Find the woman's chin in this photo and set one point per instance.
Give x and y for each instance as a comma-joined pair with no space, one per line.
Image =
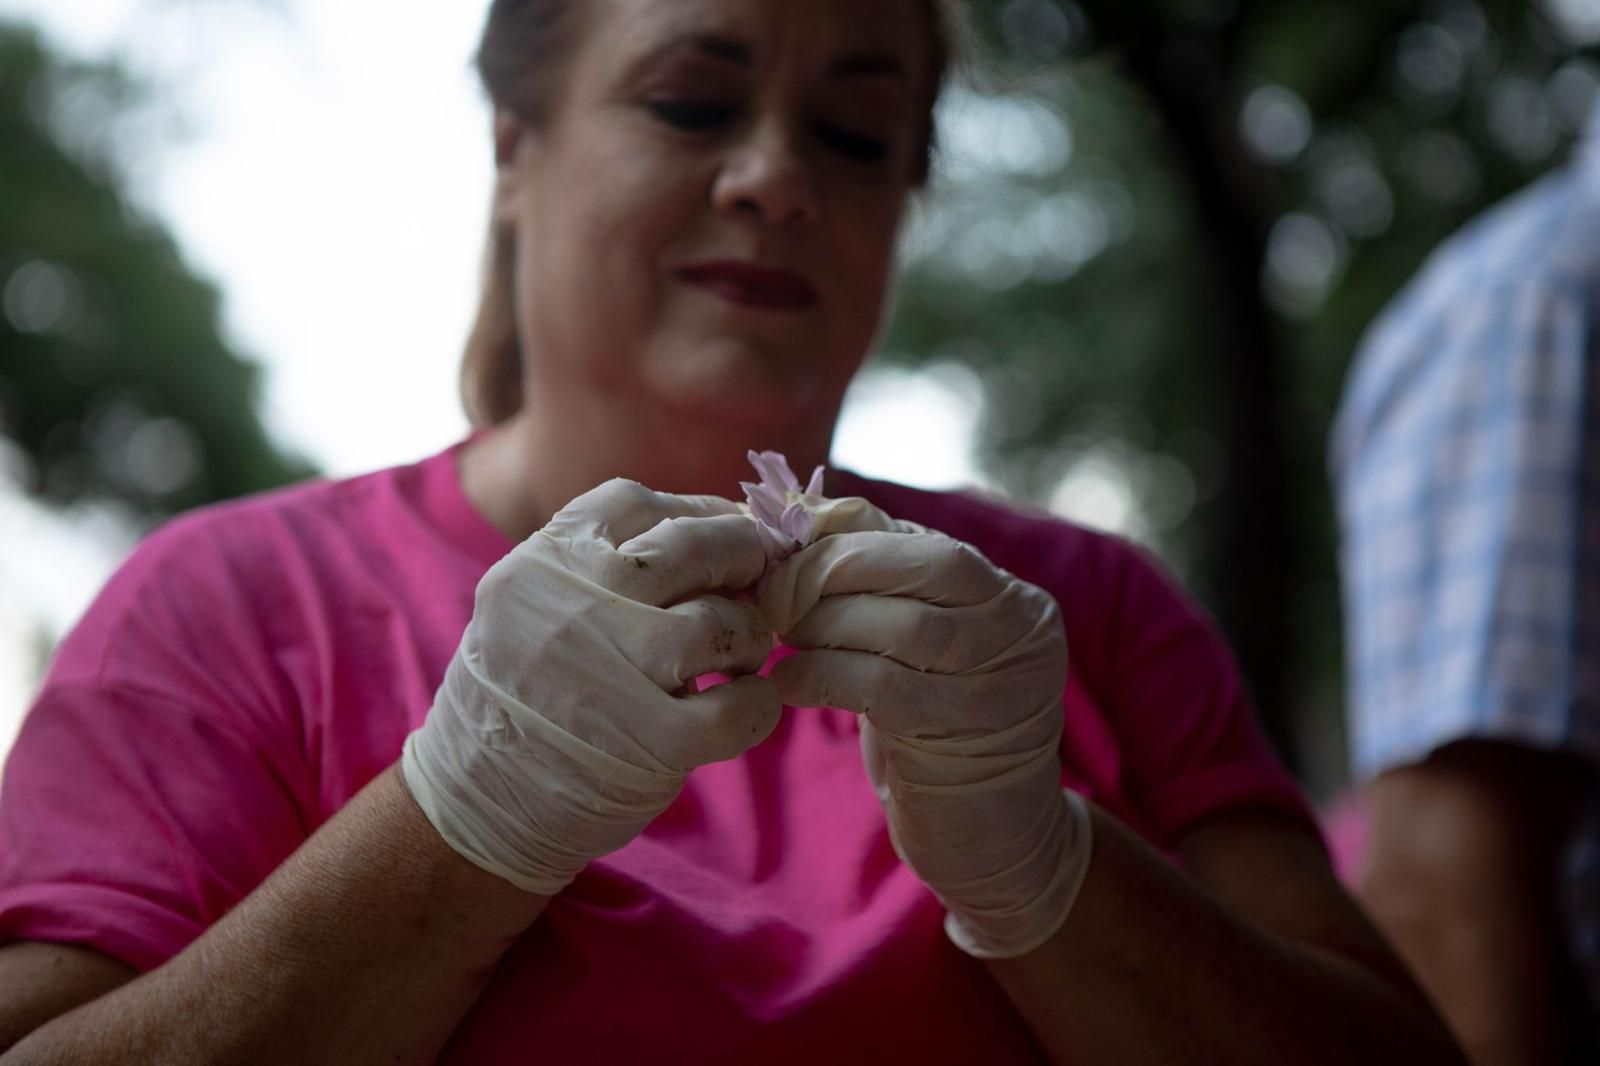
749,391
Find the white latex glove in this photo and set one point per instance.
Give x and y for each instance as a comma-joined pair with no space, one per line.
563,726
957,668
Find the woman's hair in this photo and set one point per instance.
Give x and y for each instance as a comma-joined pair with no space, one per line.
520,63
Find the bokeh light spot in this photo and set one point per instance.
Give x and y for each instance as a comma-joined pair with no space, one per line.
1576,20
37,297
1304,257
1276,124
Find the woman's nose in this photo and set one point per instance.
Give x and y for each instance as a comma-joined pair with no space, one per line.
768,177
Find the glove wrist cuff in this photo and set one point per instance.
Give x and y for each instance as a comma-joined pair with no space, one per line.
470,836
1003,933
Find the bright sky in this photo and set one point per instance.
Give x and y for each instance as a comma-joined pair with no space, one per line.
334,183
334,180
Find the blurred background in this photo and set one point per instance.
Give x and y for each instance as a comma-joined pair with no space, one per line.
239,244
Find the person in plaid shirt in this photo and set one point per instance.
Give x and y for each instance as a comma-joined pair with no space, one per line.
1466,458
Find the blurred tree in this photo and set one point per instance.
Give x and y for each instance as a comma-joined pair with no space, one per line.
115,380
1159,232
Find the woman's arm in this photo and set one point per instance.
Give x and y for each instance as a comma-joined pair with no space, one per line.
39,981
367,946
1254,955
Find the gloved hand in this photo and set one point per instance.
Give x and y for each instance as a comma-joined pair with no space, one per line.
957,668
563,726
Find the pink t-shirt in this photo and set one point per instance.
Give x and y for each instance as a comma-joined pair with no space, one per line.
255,664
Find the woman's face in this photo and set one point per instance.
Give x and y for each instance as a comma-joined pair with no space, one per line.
706,217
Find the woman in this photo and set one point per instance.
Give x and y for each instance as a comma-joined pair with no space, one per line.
584,852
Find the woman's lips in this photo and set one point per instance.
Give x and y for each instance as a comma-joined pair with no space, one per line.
750,285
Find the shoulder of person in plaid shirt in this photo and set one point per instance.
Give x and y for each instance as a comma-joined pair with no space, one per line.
1466,458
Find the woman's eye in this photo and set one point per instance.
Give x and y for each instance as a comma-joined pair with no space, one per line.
691,114
855,145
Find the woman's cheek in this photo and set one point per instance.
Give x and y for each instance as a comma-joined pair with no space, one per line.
871,255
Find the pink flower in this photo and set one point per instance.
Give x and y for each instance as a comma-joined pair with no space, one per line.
783,519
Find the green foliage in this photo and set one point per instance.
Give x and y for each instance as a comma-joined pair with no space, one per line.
115,379
1257,181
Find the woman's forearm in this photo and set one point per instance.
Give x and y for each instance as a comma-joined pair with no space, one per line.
368,945
1149,968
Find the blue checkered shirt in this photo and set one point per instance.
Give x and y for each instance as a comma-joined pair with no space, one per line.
1466,458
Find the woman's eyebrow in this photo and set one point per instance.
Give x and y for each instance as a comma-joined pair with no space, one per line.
867,65
870,64
711,45
730,49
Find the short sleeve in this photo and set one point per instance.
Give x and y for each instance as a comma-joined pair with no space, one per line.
1465,463
1174,700
161,774
130,823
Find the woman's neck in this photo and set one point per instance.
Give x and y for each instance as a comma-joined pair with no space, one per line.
520,473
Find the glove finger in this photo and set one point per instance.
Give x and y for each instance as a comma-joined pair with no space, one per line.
922,566
721,722
705,635
923,636
872,758
859,681
683,556
618,510
852,514
946,716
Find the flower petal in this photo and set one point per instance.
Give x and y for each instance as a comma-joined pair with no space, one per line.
798,523
814,486
774,470
775,544
767,504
